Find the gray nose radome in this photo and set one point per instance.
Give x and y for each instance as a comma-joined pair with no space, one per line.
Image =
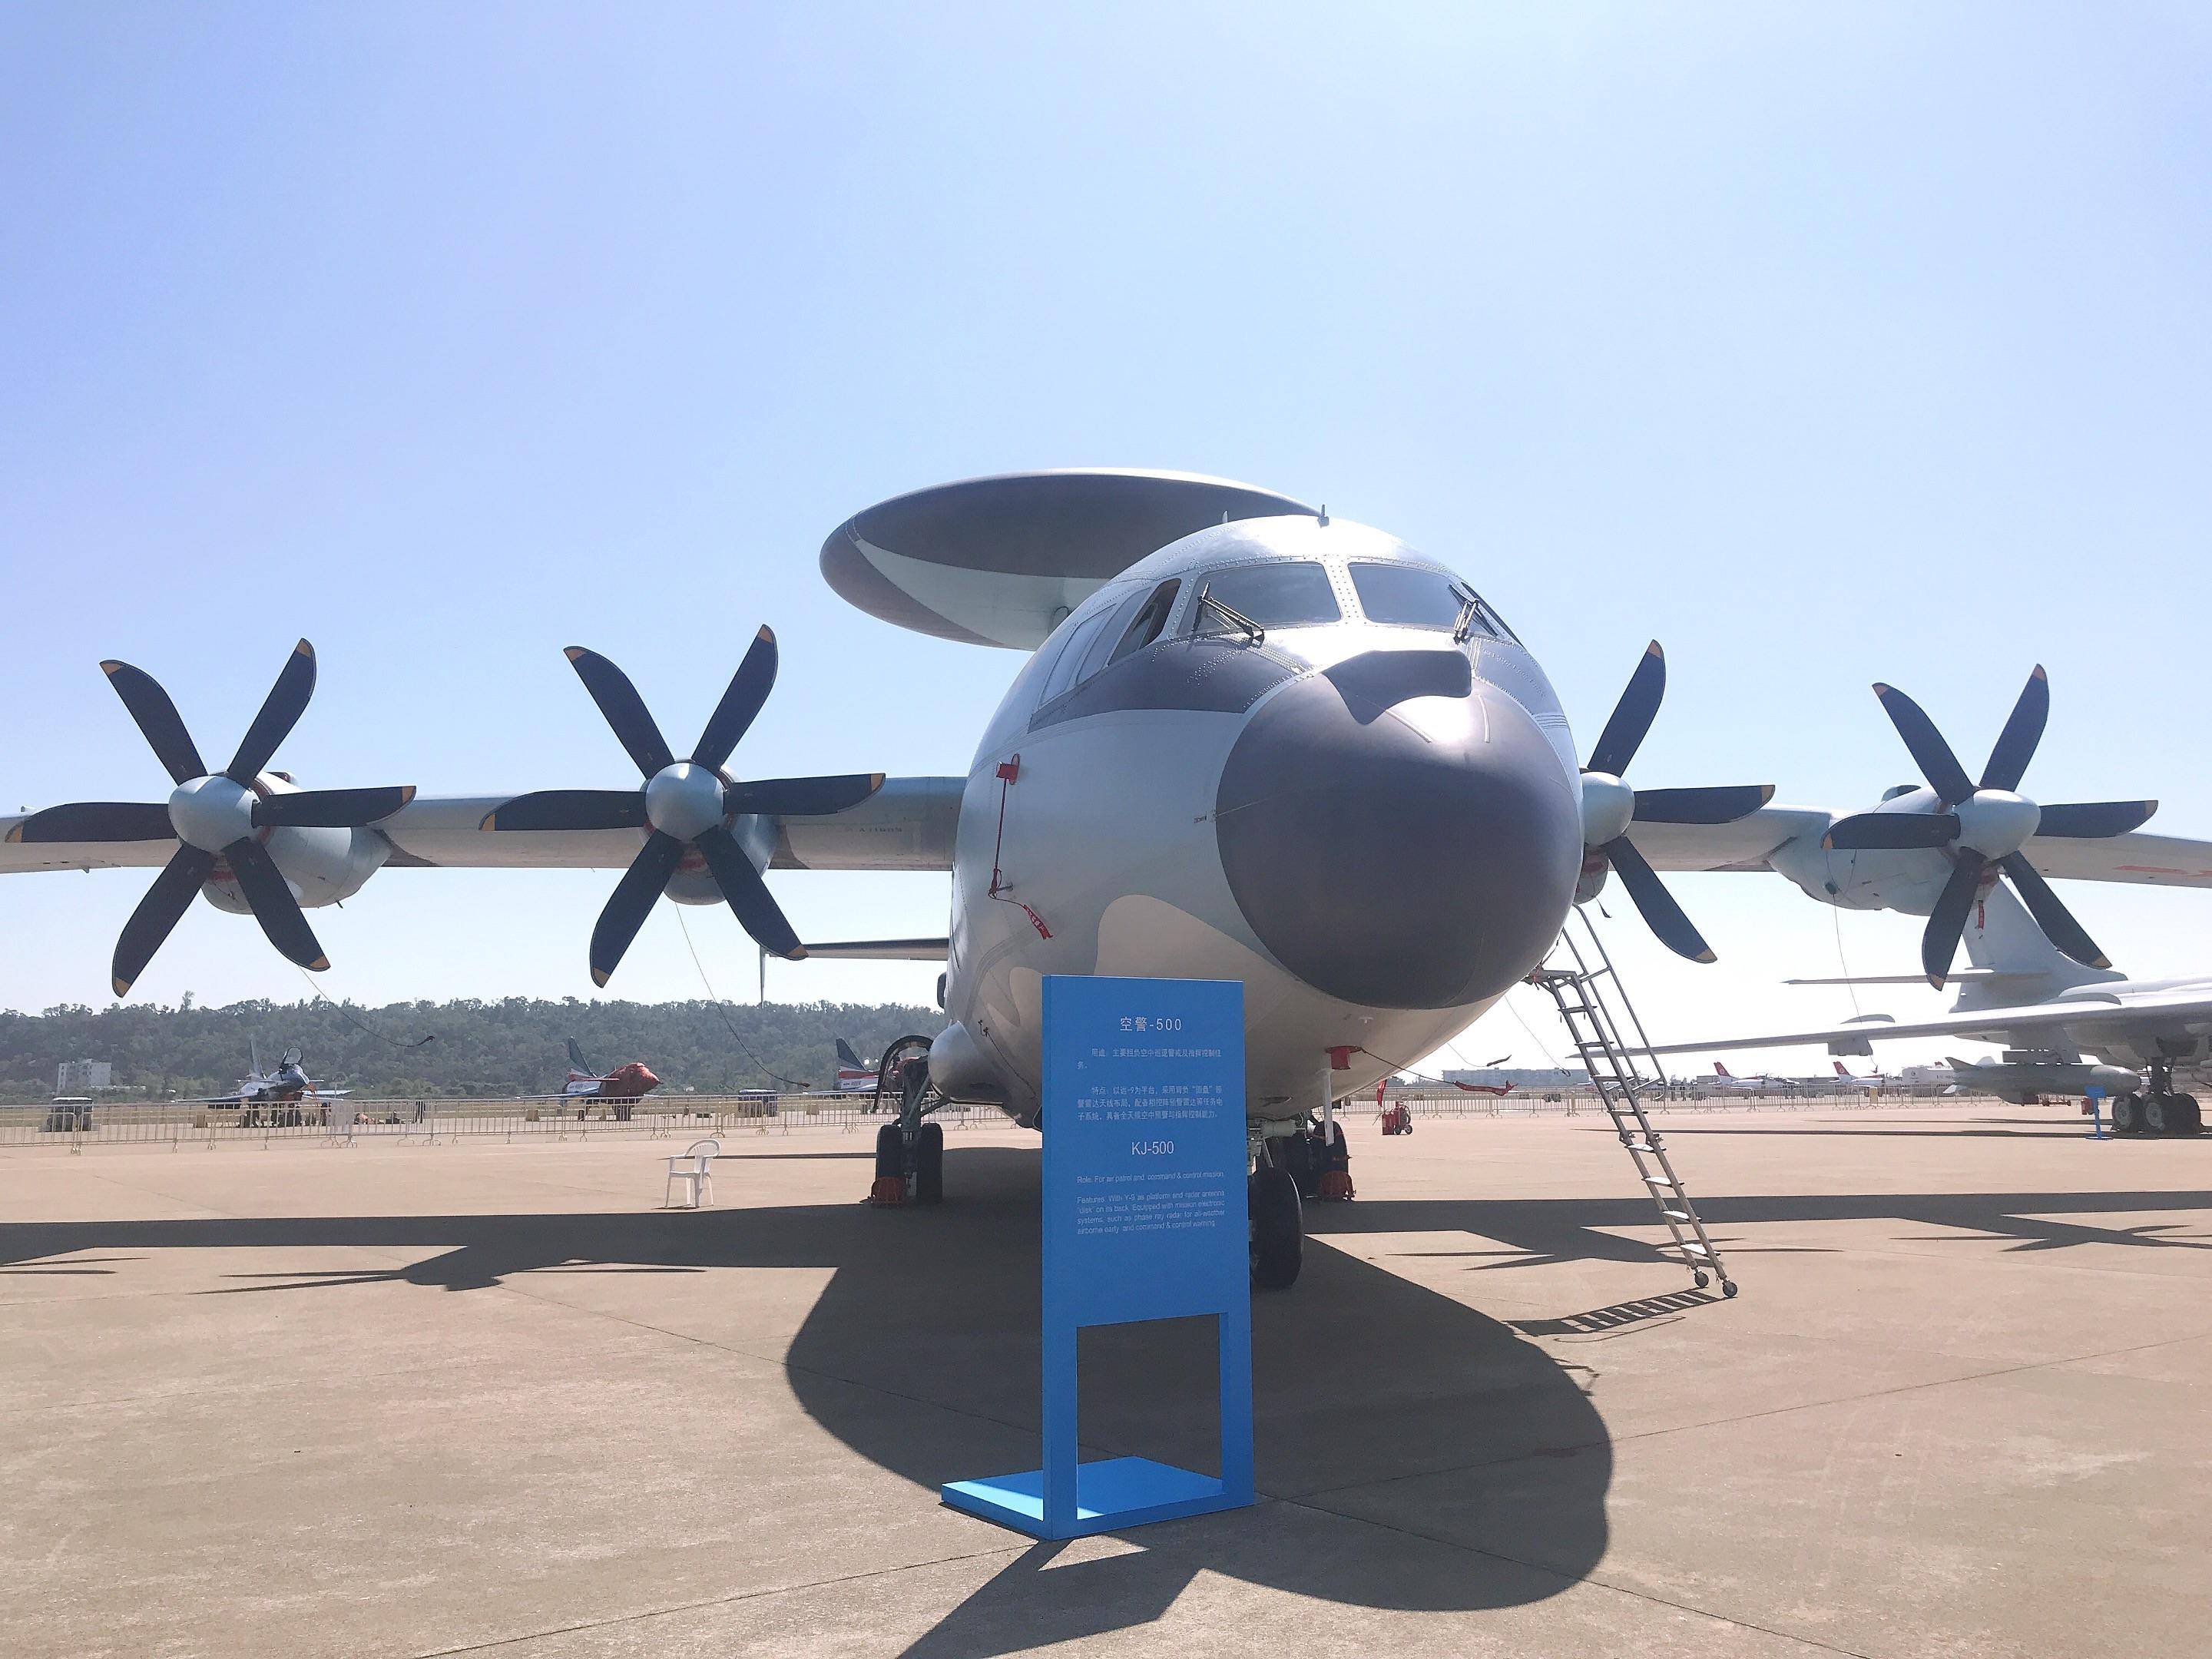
1399,841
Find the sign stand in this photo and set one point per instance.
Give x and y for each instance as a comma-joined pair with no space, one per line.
1145,1218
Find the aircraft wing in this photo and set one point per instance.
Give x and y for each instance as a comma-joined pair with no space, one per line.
1748,843
907,824
883,949
2083,1018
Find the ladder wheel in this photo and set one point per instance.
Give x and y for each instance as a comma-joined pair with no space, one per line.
1700,1280
1728,1287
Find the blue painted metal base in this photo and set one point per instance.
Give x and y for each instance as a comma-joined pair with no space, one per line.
1117,1492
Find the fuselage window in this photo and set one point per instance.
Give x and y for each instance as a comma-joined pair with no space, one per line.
1292,593
1145,626
1408,596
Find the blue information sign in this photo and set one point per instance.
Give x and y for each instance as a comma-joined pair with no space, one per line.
1144,1219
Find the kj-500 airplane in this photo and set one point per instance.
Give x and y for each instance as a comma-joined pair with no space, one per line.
1249,742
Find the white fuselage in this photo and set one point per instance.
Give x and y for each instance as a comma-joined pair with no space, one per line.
1372,825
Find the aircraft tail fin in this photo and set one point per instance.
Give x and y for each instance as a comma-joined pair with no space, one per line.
2026,967
1722,1070
576,1060
1840,1071
845,1054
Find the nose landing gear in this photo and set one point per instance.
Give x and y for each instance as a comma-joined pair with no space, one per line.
1278,1227
909,1150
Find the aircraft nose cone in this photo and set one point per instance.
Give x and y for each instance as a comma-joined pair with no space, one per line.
1399,835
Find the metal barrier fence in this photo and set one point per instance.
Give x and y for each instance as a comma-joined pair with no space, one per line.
178,1124
75,1125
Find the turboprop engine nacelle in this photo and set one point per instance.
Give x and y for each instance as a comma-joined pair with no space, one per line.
1909,879
321,866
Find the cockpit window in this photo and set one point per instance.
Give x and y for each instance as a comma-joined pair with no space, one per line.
1145,626
1408,596
1290,593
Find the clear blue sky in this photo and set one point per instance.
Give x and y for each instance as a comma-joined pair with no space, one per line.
1824,344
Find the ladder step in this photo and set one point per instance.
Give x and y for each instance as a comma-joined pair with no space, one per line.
1662,1180
1690,1247
1678,1215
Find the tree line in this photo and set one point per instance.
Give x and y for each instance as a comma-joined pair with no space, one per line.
515,1046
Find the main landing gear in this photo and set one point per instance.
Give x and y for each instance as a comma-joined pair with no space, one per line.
909,1149
2158,1110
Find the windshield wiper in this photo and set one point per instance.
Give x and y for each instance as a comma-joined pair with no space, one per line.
1469,607
1254,634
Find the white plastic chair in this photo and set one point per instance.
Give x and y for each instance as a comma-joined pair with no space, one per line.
695,1169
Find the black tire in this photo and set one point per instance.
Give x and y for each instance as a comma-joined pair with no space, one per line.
1295,1153
929,1163
890,1152
2189,1115
2158,1113
2127,1114
1279,1234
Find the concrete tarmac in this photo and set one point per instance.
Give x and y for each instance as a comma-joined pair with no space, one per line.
415,1400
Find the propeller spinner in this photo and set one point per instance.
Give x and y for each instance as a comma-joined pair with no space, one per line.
1986,824
685,804
1610,807
223,820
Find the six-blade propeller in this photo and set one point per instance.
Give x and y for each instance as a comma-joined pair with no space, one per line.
1610,807
223,820
1986,824
686,805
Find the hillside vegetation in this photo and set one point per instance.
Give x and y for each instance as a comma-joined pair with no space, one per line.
517,1046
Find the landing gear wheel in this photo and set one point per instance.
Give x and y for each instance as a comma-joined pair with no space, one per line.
1728,1287
2158,1113
1277,1229
889,1188
1298,1157
2127,1114
2188,1114
929,1163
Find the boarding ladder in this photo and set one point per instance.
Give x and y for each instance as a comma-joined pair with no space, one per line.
1579,991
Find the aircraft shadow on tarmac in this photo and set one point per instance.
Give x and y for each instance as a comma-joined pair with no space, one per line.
921,1353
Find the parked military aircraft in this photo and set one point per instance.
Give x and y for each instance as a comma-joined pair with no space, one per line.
287,1083
855,1075
2050,1013
1250,742
632,1081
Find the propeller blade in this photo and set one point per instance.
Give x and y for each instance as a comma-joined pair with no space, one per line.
624,710
633,900
1660,913
570,809
98,820
801,798
756,910
1939,942
2094,820
1934,756
164,903
1633,715
274,908
280,712
2023,730
2054,919
1721,804
332,809
157,718
748,690
1868,831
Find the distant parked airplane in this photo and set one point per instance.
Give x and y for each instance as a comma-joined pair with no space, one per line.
630,1082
